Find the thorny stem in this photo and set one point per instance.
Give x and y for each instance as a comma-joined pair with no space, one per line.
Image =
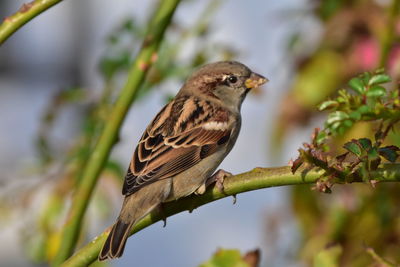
257,178
157,26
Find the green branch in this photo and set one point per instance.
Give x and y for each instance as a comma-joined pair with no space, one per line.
26,12
252,180
157,26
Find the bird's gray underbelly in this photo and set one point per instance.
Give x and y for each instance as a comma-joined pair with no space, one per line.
190,180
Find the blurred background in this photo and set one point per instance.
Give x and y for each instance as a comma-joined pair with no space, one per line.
60,73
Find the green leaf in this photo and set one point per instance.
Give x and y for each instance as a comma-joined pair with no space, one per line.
337,116
365,77
334,126
341,99
353,147
357,85
321,137
389,152
348,123
342,129
376,91
364,109
343,96
365,143
328,105
355,115
379,79
225,258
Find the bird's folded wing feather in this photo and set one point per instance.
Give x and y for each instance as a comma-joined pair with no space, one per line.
185,131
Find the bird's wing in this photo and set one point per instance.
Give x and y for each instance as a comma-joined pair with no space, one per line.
185,131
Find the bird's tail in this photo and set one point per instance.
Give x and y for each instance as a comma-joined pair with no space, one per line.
116,240
134,208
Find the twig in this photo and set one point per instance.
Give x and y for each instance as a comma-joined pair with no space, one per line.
252,180
381,261
25,13
157,26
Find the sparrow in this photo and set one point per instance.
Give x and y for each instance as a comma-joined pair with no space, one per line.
183,145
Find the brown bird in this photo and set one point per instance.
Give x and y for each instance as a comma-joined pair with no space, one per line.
183,145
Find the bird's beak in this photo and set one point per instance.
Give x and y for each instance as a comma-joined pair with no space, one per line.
255,80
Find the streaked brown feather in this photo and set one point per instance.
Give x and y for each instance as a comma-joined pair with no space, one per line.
163,153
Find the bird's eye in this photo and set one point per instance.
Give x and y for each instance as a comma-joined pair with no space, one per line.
232,79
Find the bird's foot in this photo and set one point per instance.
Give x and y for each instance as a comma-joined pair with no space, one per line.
217,178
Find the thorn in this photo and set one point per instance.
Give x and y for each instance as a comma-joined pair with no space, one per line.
162,213
154,57
373,183
290,163
143,65
25,7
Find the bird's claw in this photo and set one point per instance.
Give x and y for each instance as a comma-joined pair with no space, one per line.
217,178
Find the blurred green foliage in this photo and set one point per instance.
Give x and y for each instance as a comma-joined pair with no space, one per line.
357,225
356,36
328,257
360,133
369,103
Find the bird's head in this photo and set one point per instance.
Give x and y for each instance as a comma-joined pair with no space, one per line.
224,81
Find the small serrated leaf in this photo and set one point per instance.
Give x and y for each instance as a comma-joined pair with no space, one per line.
366,143
357,85
336,116
364,109
328,105
389,152
353,147
379,79
376,91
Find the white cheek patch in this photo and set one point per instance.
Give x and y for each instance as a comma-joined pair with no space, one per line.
214,125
